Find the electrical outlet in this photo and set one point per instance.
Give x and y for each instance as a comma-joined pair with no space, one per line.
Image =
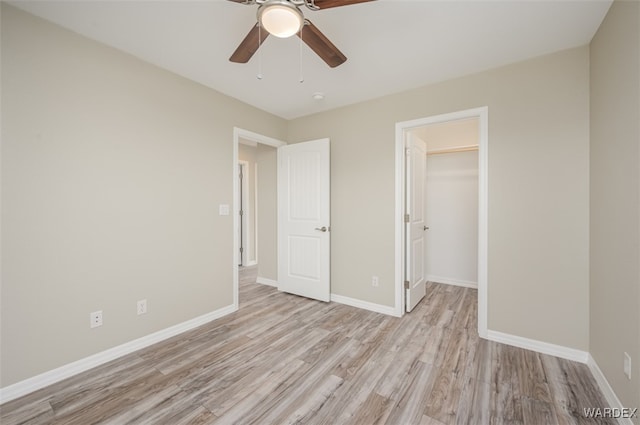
95,319
374,281
627,365
142,307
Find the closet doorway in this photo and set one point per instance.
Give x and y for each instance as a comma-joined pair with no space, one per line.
451,201
456,193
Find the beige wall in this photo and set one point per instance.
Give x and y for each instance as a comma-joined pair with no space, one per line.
538,191
267,212
615,198
113,170
112,173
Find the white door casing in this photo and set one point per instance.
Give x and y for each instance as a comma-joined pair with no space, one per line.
243,213
304,219
416,227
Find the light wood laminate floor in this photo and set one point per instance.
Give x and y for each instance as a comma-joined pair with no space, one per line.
284,359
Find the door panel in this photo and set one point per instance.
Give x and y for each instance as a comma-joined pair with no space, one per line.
415,272
303,219
304,257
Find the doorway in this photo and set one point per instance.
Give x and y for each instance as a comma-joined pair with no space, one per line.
452,201
403,129
263,205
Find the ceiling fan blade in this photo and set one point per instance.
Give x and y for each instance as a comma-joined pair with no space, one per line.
240,1
325,4
249,45
320,44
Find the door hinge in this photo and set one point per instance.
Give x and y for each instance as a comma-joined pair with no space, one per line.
406,218
406,284
241,250
241,213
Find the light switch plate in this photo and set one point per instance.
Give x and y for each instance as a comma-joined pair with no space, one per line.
223,209
627,365
142,307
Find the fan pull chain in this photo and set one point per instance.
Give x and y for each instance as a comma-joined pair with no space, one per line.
259,76
301,80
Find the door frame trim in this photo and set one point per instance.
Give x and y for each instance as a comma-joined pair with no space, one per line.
244,223
482,114
239,133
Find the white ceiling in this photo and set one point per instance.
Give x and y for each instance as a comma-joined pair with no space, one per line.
391,45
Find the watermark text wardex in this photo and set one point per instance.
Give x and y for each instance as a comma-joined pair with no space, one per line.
610,412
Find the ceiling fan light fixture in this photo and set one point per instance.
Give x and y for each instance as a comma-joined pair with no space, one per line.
280,18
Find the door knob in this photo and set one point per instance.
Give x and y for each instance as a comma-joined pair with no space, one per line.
322,229
425,228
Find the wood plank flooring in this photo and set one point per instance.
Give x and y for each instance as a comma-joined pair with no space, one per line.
283,359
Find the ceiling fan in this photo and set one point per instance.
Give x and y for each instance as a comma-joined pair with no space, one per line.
283,18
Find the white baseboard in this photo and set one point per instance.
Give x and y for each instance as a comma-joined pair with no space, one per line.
378,308
51,377
265,281
251,263
342,299
456,282
606,389
539,346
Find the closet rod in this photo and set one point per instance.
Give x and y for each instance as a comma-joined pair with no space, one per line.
453,150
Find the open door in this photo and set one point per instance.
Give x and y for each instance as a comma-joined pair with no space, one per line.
303,219
416,227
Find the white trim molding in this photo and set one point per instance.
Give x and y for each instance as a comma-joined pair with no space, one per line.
365,305
450,281
268,282
539,346
42,380
606,389
569,354
244,222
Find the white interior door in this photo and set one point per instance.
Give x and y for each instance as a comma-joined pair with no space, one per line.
416,227
303,219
